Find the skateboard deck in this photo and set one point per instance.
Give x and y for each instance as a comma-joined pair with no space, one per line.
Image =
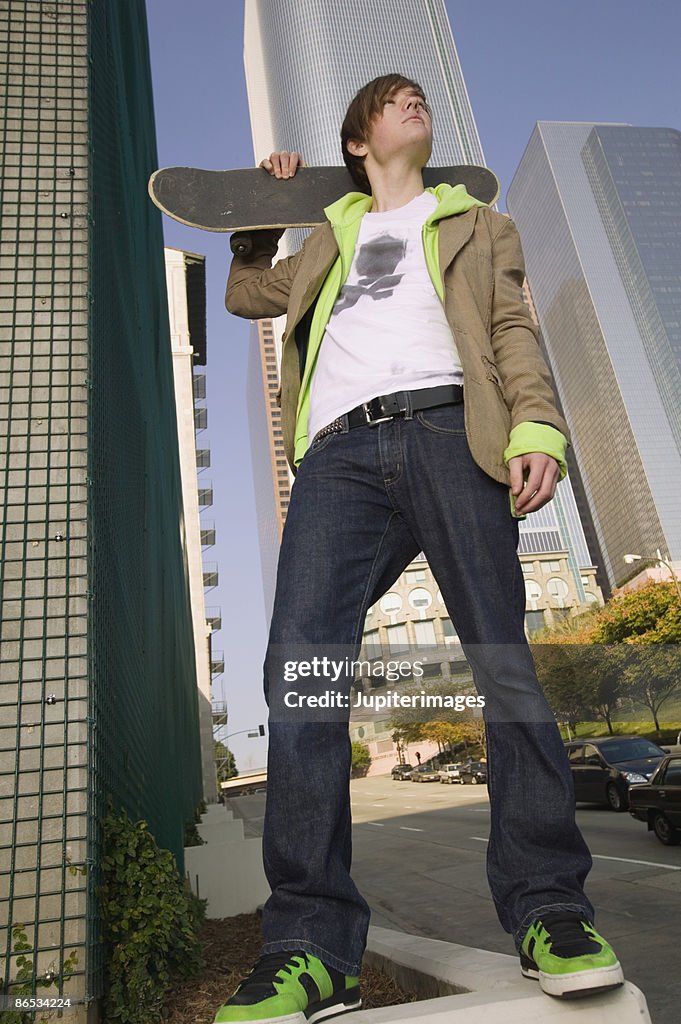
252,198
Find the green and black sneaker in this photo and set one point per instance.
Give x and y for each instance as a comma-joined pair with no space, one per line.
566,954
291,987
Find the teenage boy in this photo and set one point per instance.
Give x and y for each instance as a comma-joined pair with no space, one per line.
417,415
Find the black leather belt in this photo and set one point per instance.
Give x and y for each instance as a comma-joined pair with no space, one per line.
385,407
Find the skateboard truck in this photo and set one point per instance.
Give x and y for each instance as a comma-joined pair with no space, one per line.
241,243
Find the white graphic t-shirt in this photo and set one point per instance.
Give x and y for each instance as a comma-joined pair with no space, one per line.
388,330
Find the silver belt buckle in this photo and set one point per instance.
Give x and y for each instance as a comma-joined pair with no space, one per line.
378,419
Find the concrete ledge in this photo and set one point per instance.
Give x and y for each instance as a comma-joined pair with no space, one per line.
488,987
229,875
624,1006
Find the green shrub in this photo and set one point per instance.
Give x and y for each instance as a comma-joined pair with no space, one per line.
150,923
361,759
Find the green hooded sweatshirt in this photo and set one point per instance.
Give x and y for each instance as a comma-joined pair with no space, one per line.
345,217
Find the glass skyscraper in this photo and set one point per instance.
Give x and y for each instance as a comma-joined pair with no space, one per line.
310,57
304,62
598,208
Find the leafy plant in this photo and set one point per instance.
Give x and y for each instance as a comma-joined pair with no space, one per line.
26,985
150,923
361,759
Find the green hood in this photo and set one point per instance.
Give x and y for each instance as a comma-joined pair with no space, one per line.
353,205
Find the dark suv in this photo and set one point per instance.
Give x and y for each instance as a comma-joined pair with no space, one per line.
604,768
474,772
401,772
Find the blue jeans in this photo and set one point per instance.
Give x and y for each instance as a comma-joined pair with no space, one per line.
363,504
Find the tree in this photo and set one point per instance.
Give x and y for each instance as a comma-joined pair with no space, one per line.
651,675
442,733
565,688
226,765
361,760
650,615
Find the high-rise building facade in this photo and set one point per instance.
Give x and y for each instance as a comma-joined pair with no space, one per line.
98,696
598,208
271,475
305,61
186,285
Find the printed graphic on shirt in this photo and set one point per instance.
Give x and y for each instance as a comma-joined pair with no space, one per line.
376,262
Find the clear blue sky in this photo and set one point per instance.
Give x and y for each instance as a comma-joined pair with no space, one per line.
586,60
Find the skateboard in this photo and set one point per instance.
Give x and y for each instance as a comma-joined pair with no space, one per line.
251,198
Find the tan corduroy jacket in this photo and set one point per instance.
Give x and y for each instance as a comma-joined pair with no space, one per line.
506,379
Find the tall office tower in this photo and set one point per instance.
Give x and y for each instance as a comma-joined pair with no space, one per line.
304,62
186,285
98,696
271,475
598,208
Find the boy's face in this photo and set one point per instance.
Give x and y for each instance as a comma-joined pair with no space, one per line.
404,123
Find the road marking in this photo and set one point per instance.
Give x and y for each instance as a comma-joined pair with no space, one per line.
376,823
622,860
405,828
378,805
627,860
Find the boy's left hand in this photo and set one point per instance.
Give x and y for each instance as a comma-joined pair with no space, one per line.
542,476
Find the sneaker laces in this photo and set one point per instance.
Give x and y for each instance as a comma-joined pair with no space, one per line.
268,966
567,936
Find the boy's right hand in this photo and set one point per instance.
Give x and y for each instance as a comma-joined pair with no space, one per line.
282,165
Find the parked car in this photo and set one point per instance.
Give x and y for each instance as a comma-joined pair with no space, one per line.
451,773
474,772
424,773
401,772
658,802
603,769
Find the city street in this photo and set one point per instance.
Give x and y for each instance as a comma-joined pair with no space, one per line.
419,860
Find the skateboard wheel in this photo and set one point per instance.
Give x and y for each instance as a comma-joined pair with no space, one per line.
241,244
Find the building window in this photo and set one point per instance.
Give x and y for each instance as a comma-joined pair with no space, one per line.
397,639
390,603
420,598
558,589
374,647
528,568
534,622
425,633
548,567
532,593
450,634
416,576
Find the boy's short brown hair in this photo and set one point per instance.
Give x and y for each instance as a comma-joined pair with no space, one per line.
366,105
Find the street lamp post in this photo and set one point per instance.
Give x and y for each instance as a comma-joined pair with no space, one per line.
219,761
666,562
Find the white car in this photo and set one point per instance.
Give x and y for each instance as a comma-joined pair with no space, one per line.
451,773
